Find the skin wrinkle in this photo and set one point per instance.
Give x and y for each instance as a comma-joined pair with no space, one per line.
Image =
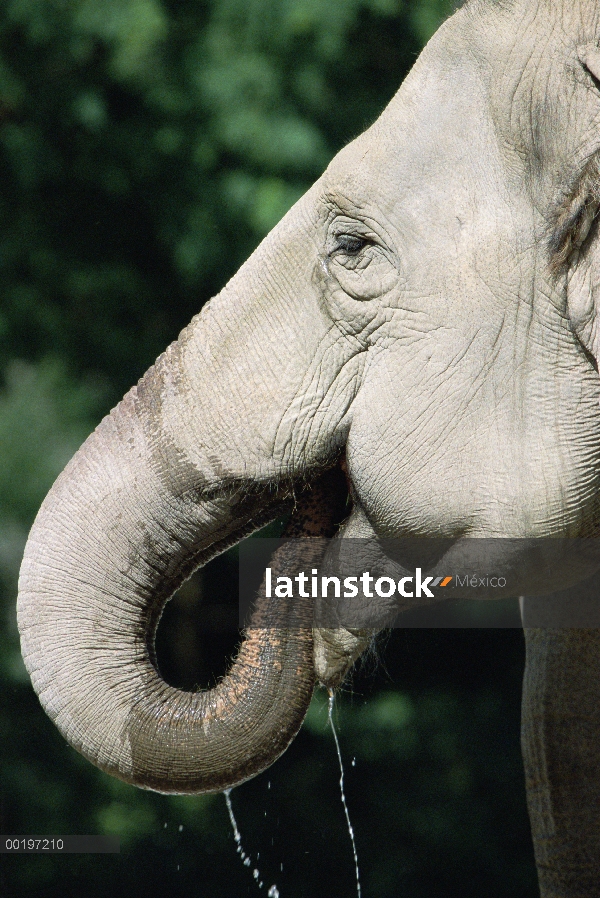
479,381
511,142
538,55
305,391
543,53
439,382
421,425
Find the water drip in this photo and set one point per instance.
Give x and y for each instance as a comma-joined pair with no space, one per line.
245,858
343,794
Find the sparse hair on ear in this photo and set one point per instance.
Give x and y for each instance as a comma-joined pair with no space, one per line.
575,216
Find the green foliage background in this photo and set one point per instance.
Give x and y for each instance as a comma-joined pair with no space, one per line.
146,147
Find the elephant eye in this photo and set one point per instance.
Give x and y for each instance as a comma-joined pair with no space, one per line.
349,244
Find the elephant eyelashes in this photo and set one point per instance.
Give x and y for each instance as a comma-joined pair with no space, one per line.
350,245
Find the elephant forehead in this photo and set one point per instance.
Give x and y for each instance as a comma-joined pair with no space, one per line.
448,189
434,142
498,97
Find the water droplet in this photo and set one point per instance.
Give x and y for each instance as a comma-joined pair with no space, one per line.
165,826
181,827
273,891
255,874
354,762
178,868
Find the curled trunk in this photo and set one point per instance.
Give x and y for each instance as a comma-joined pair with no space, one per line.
216,440
88,644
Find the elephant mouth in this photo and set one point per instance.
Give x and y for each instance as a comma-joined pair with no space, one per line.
195,636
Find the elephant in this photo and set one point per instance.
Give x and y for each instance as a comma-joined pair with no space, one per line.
424,317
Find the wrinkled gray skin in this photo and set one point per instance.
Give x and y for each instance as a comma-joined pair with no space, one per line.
430,307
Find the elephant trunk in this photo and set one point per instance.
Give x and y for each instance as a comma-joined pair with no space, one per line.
87,628
208,447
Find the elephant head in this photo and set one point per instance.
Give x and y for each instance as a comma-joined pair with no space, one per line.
428,309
